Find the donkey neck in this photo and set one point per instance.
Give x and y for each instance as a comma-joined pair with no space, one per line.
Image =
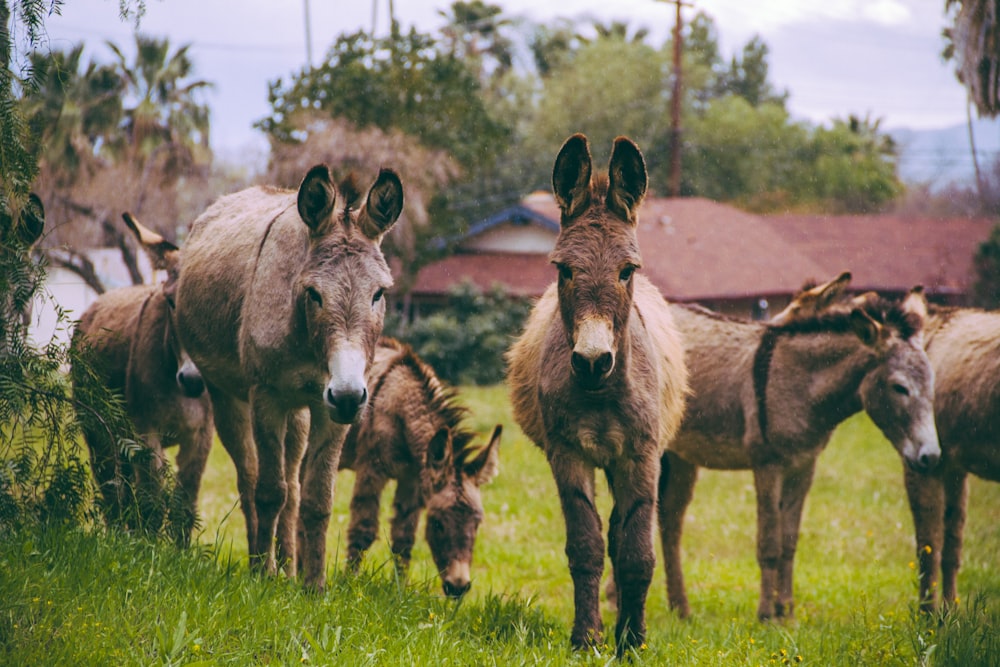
810,380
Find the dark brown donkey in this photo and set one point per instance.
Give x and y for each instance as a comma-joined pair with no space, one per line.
413,433
128,337
768,398
280,304
597,380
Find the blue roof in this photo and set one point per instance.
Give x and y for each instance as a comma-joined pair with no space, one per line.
517,214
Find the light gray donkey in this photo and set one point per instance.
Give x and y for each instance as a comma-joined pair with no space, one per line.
597,380
768,397
280,304
128,337
414,433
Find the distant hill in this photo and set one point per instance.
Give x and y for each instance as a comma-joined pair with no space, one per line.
943,157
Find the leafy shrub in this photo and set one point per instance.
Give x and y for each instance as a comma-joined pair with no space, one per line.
465,340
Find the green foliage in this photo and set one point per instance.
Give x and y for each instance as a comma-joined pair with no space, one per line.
986,265
400,81
465,341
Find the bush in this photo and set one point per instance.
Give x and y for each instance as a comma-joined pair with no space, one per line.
465,341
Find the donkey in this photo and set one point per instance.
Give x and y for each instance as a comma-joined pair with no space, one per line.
413,433
768,398
813,299
128,338
963,345
280,304
597,380
19,231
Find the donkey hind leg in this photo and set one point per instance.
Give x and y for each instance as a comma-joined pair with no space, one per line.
296,438
767,484
794,490
926,495
956,496
584,545
406,506
232,423
319,473
192,455
365,507
676,488
630,539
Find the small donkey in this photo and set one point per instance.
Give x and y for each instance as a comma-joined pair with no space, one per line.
128,337
413,433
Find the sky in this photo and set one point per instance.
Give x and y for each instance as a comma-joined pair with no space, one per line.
877,58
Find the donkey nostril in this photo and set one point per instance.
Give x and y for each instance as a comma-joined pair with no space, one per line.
581,365
454,590
603,364
928,461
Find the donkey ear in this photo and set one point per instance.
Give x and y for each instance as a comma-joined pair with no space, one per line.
486,463
829,292
571,177
439,450
626,179
162,253
867,329
915,303
317,195
385,203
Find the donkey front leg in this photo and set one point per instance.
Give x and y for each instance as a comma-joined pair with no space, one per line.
365,505
296,438
319,474
925,492
956,496
676,488
232,423
630,538
584,544
794,489
269,428
767,482
406,504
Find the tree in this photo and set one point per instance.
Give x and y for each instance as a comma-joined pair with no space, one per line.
986,267
474,34
748,76
973,41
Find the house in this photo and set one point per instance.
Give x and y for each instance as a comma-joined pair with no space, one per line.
697,250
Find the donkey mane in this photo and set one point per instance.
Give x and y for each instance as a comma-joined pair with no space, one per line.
883,311
351,191
441,399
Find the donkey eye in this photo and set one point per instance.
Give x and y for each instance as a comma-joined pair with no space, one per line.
565,273
900,389
626,273
314,296
379,293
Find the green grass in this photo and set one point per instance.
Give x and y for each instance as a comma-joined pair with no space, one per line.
93,598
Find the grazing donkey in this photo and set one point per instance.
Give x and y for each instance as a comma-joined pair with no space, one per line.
128,337
597,380
413,433
963,345
280,304
768,398
17,236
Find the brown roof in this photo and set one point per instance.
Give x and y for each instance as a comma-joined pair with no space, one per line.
887,252
695,249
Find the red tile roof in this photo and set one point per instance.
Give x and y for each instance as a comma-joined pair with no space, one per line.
698,250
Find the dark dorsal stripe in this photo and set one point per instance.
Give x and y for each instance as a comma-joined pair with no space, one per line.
883,311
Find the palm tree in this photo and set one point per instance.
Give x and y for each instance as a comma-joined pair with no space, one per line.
166,116
474,33
974,43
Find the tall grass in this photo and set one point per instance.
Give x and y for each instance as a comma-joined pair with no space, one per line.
92,598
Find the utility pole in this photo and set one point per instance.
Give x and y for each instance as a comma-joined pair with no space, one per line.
309,41
675,104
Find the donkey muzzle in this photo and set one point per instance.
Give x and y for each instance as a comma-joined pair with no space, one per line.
593,356
346,395
189,380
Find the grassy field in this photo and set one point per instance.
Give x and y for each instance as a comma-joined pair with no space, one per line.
93,598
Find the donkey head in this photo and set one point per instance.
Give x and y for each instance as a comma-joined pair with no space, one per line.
165,256
597,253
340,289
898,394
813,299
454,504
